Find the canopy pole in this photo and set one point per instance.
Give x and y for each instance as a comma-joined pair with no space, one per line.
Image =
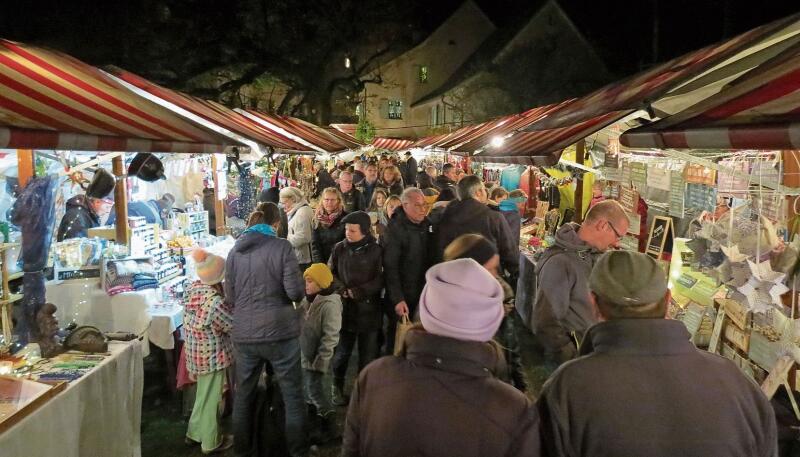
25,166
580,151
219,208
120,199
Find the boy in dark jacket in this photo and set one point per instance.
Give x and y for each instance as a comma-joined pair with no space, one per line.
356,265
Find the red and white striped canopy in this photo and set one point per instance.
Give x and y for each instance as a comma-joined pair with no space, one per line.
759,110
317,138
49,100
392,144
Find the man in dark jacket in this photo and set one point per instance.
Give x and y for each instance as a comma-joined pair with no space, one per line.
370,182
352,198
641,387
441,396
410,170
561,309
447,178
471,215
406,258
84,211
324,179
262,279
356,266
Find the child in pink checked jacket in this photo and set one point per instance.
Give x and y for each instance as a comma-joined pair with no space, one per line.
207,322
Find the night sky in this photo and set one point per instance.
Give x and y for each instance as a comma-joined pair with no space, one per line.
621,30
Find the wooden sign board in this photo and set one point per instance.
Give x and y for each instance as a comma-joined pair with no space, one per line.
629,199
660,238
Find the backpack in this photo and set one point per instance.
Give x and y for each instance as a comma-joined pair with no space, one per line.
528,282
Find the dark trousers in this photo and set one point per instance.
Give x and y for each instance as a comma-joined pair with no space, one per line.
367,351
506,336
284,357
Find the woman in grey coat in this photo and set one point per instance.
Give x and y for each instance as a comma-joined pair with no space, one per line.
301,224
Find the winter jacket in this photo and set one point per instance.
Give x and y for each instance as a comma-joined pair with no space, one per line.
353,201
471,216
300,231
262,279
395,188
324,180
643,389
322,320
443,181
410,172
514,221
367,190
325,238
77,220
562,304
444,391
406,258
357,267
424,181
207,323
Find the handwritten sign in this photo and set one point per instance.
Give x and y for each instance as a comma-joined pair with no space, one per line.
634,223
677,191
639,174
693,318
629,199
658,178
660,233
626,171
762,351
701,197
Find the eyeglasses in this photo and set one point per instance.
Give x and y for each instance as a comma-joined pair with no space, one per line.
616,233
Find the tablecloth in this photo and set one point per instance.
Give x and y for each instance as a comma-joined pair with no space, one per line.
99,414
83,301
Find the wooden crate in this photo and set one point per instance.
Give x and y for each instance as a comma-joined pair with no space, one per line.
738,337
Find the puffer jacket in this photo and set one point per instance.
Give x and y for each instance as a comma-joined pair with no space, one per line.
262,279
406,257
446,390
207,323
471,216
562,303
77,220
300,231
322,320
325,238
357,267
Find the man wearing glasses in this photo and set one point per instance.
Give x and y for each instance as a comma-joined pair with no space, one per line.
562,310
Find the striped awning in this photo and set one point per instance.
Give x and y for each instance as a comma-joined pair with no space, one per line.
637,91
317,138
759,110
392,144
230,122
49,100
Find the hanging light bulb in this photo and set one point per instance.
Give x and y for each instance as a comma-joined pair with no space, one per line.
347,62
497,141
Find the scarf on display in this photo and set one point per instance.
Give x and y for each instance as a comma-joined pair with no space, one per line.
263,229
325,219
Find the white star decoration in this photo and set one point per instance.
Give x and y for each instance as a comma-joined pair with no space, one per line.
764,288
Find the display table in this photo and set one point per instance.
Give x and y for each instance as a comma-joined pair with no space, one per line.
97,415
83,301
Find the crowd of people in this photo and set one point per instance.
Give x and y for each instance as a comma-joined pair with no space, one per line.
304,288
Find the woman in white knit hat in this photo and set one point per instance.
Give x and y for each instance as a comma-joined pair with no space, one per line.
207,322
441,395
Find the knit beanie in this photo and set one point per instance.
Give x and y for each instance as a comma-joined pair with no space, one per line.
461,300
210,268
320,274
361,218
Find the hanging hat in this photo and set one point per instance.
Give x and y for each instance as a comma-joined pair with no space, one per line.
320,274
210,268
146,167
461,300
102,184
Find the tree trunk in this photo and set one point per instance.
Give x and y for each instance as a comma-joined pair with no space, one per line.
319,104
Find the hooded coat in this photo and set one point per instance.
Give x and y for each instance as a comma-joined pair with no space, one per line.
643,389
562,304
471,216
406,258
300,231
447,391
356,267
322,320
424,180
262,279
77,220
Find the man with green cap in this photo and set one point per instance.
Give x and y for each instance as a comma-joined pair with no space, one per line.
641,387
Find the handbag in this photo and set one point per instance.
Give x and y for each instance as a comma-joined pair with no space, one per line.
400,334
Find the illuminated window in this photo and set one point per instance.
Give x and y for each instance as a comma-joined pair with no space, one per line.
395,109
423,74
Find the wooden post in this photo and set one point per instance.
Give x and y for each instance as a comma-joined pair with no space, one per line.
219,206
580,151
120,199
25,166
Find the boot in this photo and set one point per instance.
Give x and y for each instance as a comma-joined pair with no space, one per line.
337,396
329,428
